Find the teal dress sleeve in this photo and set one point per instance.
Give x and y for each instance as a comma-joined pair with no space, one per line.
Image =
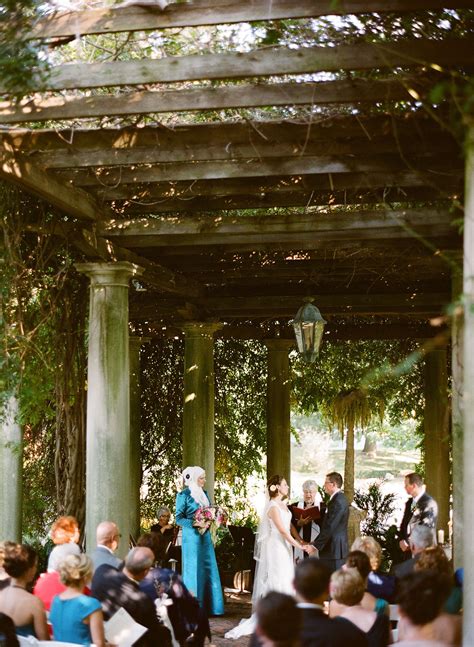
200,571
184,516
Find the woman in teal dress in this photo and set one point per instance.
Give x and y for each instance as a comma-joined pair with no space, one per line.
200,572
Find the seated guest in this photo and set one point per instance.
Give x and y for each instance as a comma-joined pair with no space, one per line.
7,632
434,559
421,596
65,535
26,610
421,537
270,630
317,629
108,538
75,617
379,584
116,589
187,618
166,535
47,586
348,588
359,560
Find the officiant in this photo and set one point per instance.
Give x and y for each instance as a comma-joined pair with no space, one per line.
307,525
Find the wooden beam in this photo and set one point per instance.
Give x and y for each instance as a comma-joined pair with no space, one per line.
258,168
286,306
333,331
163,194
260,63
336,128
214,12
285,229
247,96
68,199
73,157
98,248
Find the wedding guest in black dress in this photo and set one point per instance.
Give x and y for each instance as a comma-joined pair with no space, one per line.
348,588
166,534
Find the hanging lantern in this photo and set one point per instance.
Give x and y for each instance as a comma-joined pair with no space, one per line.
309,328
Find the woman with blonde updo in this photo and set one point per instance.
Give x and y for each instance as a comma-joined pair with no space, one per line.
65,535
275,569
77,618
347,588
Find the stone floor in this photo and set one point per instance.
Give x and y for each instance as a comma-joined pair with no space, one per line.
237,606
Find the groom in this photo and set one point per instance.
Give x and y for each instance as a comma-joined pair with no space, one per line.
332,545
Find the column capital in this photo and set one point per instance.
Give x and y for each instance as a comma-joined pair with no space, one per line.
201,328
113,274
278,344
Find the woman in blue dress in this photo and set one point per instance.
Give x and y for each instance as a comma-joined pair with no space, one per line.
200,572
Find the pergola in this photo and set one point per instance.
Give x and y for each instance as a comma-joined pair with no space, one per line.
188,212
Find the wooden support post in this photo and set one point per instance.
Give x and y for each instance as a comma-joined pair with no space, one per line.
468,398
457,388
278,408
436,423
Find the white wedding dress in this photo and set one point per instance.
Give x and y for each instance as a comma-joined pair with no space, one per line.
275,570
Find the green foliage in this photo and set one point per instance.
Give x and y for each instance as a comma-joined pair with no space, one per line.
240,431
379,508
23,67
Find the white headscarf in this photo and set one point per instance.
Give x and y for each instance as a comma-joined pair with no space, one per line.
190,477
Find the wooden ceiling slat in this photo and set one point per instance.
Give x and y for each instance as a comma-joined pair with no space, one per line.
339,127
214,12
285,229
260,63
333,199
287,305
260,149
247,96
258,168
185,191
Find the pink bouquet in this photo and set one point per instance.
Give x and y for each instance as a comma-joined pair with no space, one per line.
210,518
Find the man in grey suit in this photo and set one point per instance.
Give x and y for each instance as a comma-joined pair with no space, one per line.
108,538
420,510
332,544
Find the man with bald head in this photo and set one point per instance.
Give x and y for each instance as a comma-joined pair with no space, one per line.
117,589
108,538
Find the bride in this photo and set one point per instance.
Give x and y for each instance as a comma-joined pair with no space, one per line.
275,536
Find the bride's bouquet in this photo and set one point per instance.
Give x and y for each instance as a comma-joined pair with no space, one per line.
210,518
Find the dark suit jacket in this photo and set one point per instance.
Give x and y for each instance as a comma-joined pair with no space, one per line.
405,568
114,590
318,630
425,513
332,541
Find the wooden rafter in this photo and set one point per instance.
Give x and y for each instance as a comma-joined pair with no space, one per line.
238,96
214,170
284,230
286,305
213,12
260,63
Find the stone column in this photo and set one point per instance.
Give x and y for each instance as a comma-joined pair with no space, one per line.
436,425
135,433
278,408
108,400
457,325
11,471
198,411
468,398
